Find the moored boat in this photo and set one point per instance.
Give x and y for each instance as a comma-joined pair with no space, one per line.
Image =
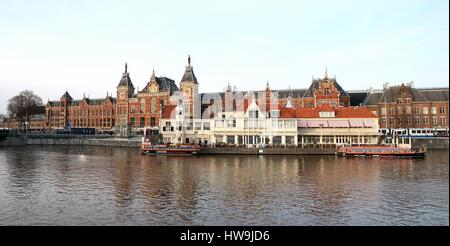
152,145
170,149
380,151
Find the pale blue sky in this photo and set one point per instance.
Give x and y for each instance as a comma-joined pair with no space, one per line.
50,46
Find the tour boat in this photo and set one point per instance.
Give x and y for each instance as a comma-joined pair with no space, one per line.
170,149
152,145
380,151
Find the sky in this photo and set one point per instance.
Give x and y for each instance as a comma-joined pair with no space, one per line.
81,46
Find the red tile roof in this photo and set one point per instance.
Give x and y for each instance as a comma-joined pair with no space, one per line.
167,112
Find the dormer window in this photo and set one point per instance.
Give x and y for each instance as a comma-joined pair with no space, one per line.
274,113
326,114
326,91
253,113
399,100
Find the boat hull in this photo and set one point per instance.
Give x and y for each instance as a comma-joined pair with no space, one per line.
380,152
415,155
170,150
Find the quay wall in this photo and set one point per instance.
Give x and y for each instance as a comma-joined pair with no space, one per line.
267,151
23,140
435,143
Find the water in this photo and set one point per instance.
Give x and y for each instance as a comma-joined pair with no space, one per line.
58,185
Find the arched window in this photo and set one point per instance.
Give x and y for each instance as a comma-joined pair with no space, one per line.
153,105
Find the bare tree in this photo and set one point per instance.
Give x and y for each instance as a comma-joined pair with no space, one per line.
23,106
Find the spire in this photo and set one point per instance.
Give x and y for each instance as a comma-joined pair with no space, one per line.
267,86
326,72
189,75
125,80
153,78
229,87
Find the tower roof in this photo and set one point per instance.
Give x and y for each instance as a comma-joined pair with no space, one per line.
66,96
125,80
189,75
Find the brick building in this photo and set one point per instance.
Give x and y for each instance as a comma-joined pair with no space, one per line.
97,113
405,106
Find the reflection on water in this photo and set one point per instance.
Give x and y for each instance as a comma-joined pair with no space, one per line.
112,186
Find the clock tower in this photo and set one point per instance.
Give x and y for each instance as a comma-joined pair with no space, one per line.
125,90
189,92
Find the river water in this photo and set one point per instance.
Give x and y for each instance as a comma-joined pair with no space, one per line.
59,185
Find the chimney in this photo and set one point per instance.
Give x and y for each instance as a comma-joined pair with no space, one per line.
386,86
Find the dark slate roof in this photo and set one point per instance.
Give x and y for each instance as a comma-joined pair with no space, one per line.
165,84
419,95
189,75
372,98
295,93
315,85
435,94
54,103
67,96
357,98
125,80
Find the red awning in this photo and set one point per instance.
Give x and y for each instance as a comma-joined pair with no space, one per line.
356,123
302,123
317,123
369,123
338,123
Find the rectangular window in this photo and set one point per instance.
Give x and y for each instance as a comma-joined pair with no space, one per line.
408,109
400,110
198,126
417,121
407,100
152,121
391,110
383,111
443,121
206,126
391,121
433,110
253,114
426,120
399,121
383,122
425,110
442,110
434,121
416,110
275,113
230,140
399,100
409,121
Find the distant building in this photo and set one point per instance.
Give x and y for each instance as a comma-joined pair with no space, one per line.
183,114
405,106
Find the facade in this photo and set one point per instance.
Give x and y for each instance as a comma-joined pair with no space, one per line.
92,113
324,113
253,121
405,106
